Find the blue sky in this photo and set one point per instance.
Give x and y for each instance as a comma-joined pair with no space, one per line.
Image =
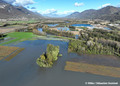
63,7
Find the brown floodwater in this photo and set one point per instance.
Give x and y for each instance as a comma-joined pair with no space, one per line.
22,70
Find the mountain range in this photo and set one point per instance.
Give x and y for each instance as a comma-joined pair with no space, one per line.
8,11
106,13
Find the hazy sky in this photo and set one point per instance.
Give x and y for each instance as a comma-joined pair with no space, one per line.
65,7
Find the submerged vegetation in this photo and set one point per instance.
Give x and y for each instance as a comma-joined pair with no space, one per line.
51,55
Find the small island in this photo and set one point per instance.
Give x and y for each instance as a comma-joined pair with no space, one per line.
51,55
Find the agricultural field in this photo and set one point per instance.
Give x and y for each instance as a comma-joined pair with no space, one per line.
92,68
19,37
8,52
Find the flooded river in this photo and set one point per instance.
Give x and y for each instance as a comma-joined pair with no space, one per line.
22,70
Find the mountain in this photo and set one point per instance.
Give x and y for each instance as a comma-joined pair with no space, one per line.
106,13
73,15
8,11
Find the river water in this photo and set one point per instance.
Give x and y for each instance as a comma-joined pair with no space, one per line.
22,70
84,25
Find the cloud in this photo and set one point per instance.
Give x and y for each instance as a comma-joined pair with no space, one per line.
50,11
78,4
23,2
56,12
20,2
105,5
66,12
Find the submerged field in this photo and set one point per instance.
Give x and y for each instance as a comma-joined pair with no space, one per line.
9,52
106,65
92,68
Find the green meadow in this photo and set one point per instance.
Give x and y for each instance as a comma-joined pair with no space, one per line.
19,37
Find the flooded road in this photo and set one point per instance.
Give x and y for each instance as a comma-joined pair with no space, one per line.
22,70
